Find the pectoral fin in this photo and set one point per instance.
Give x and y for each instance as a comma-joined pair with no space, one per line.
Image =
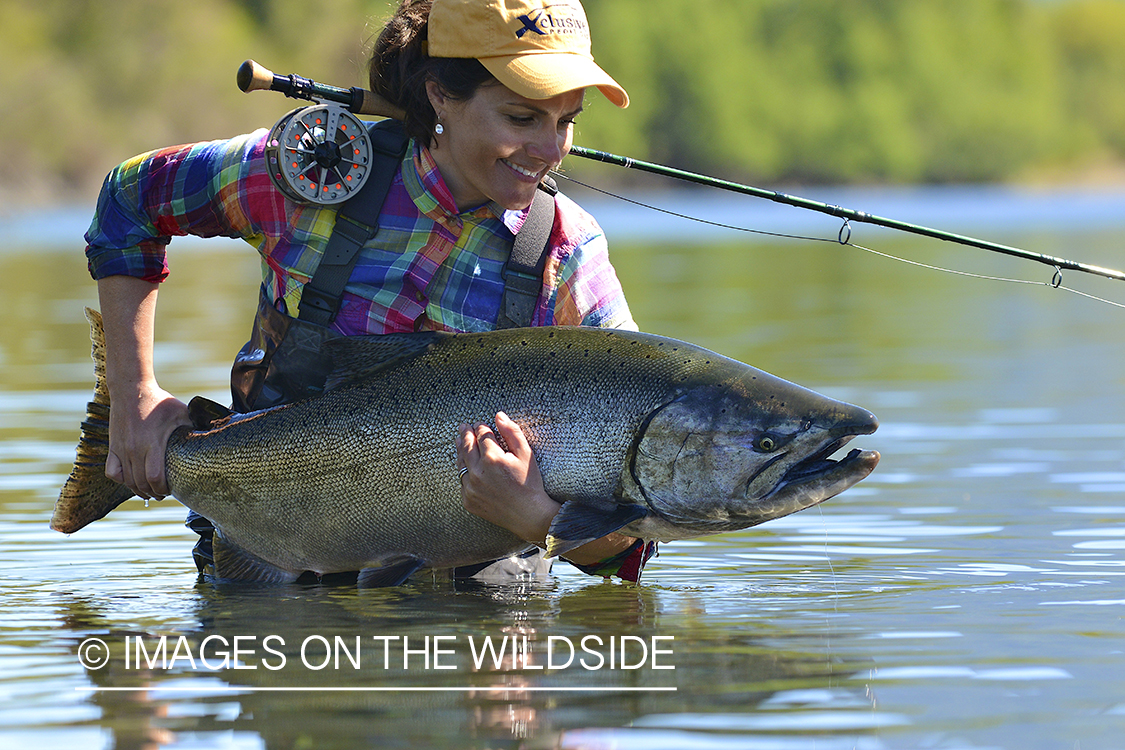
578,523
391,572
232,563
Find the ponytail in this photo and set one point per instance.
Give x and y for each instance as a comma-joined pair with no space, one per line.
400,68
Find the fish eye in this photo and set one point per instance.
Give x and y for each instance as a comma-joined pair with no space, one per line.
766,444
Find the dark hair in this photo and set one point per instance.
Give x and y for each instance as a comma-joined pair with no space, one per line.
400,68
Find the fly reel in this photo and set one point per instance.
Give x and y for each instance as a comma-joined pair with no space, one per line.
319,154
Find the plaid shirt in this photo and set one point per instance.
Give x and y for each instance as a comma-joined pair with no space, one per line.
429,268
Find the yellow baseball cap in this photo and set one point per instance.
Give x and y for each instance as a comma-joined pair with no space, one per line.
537,48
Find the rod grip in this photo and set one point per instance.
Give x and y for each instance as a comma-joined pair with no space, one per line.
366,102
254,77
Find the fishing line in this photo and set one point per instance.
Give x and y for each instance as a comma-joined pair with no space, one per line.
689,217
831,568
1055,283
317,147
843,239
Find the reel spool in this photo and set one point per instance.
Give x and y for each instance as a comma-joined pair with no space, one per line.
319,154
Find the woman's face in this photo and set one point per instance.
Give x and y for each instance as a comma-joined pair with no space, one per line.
498,145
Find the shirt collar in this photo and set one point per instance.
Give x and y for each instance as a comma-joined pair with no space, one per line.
433,198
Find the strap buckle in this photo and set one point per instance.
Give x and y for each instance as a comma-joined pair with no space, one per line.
316,300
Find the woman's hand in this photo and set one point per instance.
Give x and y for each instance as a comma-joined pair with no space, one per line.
140,422
505,487
502,486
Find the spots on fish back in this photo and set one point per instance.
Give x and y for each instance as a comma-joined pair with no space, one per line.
567,361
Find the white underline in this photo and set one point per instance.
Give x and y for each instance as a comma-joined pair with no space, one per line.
383,689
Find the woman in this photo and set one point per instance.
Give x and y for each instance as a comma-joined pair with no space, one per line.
491,89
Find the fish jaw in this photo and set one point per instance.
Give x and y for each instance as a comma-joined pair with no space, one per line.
725,458
811,482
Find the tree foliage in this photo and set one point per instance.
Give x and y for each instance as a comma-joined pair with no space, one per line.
762,90
845,90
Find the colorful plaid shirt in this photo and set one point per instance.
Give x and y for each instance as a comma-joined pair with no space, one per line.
429,268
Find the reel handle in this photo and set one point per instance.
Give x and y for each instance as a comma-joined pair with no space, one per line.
255,77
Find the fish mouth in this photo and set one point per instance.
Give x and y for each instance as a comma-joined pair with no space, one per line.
820,463
822,477
818,477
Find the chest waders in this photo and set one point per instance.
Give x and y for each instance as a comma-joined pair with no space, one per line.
282,361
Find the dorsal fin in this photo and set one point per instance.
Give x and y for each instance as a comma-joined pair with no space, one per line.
206,414
357,357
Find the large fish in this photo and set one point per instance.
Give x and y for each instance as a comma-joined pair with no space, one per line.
632,432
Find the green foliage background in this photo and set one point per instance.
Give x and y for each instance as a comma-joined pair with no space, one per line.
762,90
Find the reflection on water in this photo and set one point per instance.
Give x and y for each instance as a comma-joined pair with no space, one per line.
485,702
969,594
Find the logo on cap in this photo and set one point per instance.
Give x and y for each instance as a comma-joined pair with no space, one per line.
553,19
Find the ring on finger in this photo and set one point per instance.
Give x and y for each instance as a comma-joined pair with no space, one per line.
461,473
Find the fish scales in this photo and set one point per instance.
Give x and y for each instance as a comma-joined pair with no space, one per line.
370,472
633,432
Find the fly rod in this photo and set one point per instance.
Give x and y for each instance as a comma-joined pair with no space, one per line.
253,77
840,212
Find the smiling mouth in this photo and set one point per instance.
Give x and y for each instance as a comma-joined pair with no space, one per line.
521,170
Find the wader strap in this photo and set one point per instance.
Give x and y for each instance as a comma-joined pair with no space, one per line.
523,273
320,299
282,361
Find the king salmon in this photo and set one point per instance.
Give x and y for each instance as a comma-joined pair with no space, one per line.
637,433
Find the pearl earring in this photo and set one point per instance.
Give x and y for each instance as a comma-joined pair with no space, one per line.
439,129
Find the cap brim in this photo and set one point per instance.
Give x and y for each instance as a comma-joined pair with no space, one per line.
548,74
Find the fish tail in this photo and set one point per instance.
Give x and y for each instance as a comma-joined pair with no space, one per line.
88,493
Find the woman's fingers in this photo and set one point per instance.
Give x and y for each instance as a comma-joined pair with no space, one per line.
466,444
481,442
513,436
155,474
138,439
486,438
133,476
466,441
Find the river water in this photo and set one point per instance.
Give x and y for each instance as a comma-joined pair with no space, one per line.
969,594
